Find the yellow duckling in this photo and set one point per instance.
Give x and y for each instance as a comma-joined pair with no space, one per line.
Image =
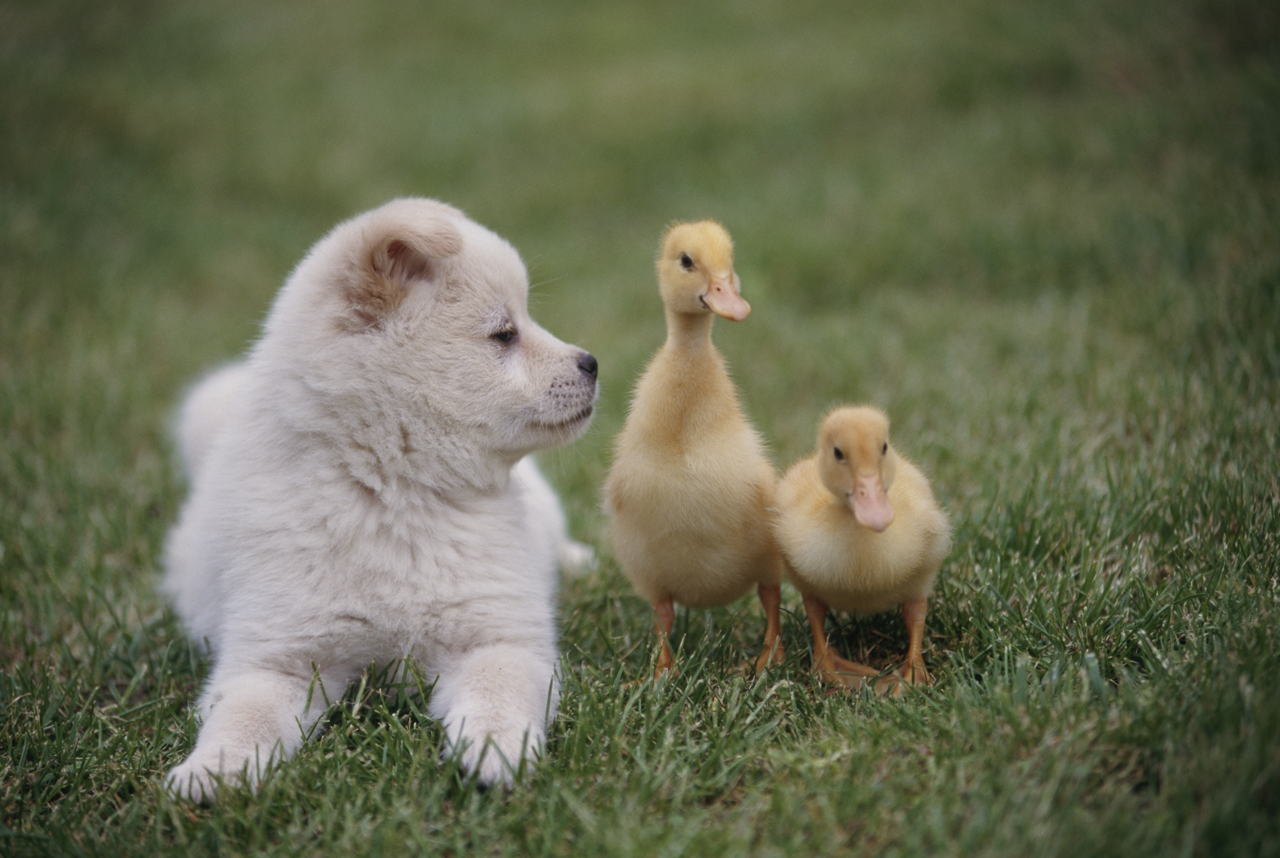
861,533
690,489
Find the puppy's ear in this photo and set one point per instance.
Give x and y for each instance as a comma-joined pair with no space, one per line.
392,262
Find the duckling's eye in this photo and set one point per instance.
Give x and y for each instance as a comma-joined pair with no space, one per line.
884,451
686,262
506,335
839,454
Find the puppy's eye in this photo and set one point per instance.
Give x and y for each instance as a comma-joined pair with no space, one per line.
839,454
506,336
686,262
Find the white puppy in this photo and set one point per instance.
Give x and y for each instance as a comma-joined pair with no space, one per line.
356,497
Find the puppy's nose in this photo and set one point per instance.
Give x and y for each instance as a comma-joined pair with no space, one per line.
588,364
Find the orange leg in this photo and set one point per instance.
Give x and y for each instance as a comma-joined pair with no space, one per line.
829,666
771,651
664,619
913,671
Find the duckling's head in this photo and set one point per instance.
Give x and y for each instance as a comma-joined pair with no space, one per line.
857,463
695,272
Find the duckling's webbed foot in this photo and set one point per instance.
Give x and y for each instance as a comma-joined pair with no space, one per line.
830,667
851,674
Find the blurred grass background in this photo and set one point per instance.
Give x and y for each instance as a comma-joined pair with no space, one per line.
1044,236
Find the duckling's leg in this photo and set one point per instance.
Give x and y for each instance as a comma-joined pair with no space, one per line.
829,666
664,619
771,650
913,614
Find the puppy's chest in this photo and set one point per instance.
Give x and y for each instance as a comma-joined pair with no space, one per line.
417,558
401,584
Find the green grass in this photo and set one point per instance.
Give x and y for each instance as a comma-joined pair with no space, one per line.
1044,236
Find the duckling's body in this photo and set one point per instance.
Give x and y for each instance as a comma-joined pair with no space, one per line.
854,568
861,533
690,489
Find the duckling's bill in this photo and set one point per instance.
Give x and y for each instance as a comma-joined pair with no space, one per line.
870,503
723,298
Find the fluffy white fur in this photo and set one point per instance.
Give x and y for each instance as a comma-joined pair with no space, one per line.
360,494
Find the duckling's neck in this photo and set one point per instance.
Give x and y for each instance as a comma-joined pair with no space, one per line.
686,387
688,332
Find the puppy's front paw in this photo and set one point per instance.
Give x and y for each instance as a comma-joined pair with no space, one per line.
495,706
194,780
494,762
200,776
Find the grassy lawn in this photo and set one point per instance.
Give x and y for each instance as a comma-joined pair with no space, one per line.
1045,237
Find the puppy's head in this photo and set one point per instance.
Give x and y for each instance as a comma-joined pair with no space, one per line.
410,324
